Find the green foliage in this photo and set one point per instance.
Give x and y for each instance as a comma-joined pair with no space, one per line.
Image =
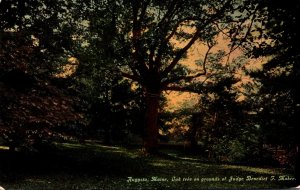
34,36
35,39
279,95
239,148
112,108
225,128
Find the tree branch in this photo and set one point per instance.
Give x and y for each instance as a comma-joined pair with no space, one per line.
181,52
163,27
178,23
129,76
143,11
169,13
138,61
182,89
134,70
190,77
233,47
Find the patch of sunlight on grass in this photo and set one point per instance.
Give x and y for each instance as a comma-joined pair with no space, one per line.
70,145
252,169
108,147
95,147
161,163
117,151
183,158
187,158
37,181
131,154
198,166
173,154
203,166
113,149
4,148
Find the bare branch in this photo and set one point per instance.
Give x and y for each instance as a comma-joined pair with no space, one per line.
190,77
221,30
181,52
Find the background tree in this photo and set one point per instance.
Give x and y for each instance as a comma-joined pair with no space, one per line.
35,37
223,121
278,38
105,95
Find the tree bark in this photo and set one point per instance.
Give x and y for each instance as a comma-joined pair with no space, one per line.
151,124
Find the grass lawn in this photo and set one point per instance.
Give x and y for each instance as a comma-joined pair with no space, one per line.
95,166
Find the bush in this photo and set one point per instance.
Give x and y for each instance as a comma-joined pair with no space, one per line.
242,149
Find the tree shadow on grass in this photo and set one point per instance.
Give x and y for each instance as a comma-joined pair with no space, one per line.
70,159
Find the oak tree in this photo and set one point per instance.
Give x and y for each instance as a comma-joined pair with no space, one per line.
149,39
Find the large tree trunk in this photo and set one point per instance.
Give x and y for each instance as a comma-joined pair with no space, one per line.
151,124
